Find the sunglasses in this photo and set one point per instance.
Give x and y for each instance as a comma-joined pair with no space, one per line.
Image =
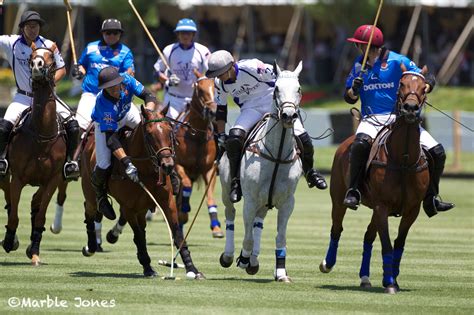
112,32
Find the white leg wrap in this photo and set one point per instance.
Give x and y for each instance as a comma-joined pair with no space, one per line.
229,239
57,225
98,232
257,235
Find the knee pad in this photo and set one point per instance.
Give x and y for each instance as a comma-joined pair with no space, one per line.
362,143
235,141
5,126
72,125
305,139
439,155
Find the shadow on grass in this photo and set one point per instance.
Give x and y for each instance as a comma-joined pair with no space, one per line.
192,245
62,250
16,263
241,280
86,274
355,288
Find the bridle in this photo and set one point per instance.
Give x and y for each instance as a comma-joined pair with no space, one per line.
403,97
47,71
203,110
164,152
283,105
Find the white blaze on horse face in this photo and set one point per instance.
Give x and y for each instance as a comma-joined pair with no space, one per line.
158,127
38,63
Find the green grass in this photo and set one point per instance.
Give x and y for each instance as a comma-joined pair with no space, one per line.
437,270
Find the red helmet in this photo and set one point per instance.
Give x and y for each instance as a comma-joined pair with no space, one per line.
362,35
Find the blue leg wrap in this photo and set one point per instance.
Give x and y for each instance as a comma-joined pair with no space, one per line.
397,257
280,252
215,223
185,206
229,227
365,265
332,253
387,269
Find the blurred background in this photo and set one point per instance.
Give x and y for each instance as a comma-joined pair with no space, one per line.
437,33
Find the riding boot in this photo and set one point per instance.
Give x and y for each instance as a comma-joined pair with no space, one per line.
313,177
234,146
71,167
5,130
359,154
431,204
99,180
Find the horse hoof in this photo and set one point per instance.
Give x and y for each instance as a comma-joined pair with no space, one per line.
55,230
324,268
243,262
148,272
284,279
226,263
251,270
28,252
365,282
35,261
200,276
111,238
16,244
217,232
391,289
86,252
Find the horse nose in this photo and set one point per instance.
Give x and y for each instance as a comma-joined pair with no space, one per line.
294,116
167,164
411,107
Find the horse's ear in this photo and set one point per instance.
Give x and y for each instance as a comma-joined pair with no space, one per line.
276,68
403,67
299,68
33,46
164,110
424,70
143,110
197,73
54,47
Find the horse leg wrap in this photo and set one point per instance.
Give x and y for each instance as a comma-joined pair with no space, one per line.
36,237
332,253
257,235
387,269
33,213
9,239
213,217
185,206
397,257
188,262
242,261
91,237
143,258
365,265
280,254
98,232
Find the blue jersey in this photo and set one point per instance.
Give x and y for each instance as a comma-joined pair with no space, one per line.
107,112
379,92
97,56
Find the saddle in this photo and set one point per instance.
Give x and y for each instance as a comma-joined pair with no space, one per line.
21,123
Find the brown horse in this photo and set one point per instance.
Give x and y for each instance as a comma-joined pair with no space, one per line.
36,152
396,182
150,147
196,150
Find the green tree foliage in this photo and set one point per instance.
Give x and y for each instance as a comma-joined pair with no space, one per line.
124,12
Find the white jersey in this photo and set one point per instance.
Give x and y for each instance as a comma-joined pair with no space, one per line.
182,62
18,54
254,80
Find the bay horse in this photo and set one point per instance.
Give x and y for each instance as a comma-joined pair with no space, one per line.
151,148
396,182
196,150
37,151
269,172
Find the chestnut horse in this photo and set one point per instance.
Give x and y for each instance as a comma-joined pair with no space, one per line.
37,151
150,146
196,150
396,182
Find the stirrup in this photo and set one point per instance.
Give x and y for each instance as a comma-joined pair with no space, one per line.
349,202
3,167
71,171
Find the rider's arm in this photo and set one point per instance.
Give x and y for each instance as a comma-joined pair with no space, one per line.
221,100
113,143
60,73
150,99
349,97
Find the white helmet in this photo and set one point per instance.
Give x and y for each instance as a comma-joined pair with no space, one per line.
219,62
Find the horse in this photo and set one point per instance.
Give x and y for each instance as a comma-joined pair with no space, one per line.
37,151
396,182
150,146
269,172
196,150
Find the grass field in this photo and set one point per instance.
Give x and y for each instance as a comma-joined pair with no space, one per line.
437,270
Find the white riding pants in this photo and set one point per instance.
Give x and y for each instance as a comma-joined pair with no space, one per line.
21,102
372,124
84,109
176,105
102,151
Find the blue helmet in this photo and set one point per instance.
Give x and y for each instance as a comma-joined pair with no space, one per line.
186,25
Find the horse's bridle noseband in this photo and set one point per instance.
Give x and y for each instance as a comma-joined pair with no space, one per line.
47,71
157,155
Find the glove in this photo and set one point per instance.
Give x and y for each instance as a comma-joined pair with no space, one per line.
173,80
76,73
221,139
356,85
132,173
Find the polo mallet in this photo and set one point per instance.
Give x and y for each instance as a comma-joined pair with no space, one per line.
364,61
69,26
171,276
149,35
168,264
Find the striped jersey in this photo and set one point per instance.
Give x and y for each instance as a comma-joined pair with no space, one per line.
18,54
97,55
182,62
254,79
